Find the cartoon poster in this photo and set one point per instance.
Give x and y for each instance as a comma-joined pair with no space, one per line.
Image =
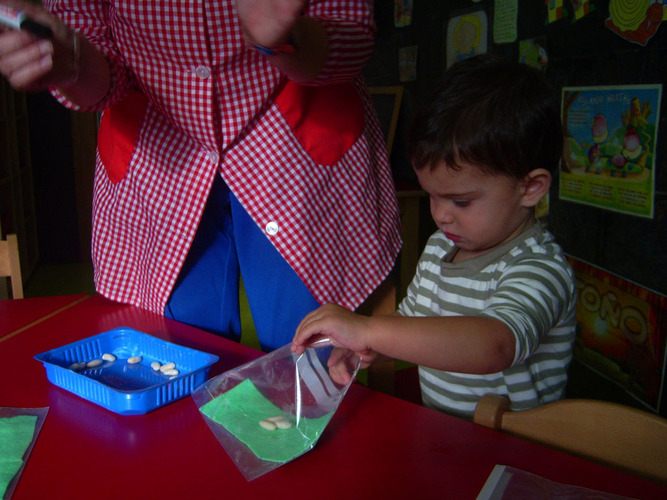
466,36
533,52
636,20
610,146
621,331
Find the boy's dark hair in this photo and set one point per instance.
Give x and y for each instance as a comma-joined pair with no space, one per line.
499,115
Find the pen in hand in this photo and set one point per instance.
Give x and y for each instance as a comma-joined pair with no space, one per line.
17,20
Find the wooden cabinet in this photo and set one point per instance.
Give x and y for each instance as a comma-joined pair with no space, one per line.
17,202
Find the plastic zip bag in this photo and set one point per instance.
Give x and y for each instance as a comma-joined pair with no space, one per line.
19,430
298,393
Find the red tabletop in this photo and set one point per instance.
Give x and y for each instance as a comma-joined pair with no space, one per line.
375,445
15,314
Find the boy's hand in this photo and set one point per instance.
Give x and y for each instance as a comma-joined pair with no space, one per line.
342,363
343,328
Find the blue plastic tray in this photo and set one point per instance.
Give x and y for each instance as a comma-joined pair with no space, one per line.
128,389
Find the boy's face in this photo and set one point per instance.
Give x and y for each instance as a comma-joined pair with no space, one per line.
476,210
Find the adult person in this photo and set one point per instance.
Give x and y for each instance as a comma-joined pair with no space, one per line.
234,136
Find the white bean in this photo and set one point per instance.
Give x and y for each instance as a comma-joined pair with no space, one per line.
173,372
281,421
268,425
167,366
155,365
134,360
94,363
108,357
283,424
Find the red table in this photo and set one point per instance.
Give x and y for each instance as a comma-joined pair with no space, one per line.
375,445
16,314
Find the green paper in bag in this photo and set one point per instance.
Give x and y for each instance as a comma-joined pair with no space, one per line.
242,408
299,388
19,428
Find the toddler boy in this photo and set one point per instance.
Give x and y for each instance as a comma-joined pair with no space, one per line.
491,308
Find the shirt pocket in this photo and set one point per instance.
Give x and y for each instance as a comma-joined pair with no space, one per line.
326,120
118,134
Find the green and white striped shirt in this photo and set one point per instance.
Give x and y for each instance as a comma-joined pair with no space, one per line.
527,284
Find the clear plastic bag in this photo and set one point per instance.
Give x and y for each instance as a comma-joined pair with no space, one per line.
18,434
298,393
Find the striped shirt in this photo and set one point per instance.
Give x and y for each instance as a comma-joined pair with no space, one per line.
212,109
525,283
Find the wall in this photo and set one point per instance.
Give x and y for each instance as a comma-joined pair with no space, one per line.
582,53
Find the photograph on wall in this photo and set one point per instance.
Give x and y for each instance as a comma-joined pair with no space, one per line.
621,331
466,36
610,146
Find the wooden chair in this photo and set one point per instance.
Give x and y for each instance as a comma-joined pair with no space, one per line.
10,265
608,433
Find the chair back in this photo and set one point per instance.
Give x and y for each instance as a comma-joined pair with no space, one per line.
10,265
608,433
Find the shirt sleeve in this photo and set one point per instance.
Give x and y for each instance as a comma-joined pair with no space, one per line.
533,296
351,30
427,277
91,19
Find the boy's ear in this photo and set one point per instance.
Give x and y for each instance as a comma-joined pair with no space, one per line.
536,185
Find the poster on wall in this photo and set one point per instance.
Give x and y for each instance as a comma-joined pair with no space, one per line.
636,21
610,146
555,10
407,63
581,8
505,14
533,52
402,13
466,36
621,332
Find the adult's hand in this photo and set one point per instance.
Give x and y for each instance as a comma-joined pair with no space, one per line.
31,63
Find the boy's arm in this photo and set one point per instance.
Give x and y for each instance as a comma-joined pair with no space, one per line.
459,343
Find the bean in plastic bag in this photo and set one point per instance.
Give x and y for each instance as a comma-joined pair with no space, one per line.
298,394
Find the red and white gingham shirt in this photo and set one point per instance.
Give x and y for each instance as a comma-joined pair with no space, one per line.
211,110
